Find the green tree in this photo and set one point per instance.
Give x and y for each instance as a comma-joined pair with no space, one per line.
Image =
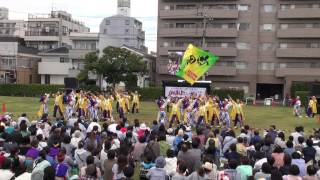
115,65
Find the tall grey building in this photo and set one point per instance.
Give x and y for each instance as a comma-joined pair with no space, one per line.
264,45
124,7
4,13
121,30
50,31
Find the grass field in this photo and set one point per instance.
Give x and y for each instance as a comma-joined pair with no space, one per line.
256,116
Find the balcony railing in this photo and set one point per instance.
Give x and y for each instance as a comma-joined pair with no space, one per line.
37,33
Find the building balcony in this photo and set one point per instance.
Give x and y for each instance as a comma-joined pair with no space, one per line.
283,72
299,33
79,53
298,53
222,71
198,14
300,13
198,32
73,73
54,68
219,51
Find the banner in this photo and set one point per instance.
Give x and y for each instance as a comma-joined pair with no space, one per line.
184,91
195,63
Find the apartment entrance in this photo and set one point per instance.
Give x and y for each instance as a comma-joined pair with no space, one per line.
269,90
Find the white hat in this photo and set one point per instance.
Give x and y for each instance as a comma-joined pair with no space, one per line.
180,132
170,130
208,166
143,126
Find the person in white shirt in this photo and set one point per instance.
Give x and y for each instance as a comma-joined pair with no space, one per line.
72,120
298,132
23,117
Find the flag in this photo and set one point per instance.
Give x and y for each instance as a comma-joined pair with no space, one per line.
195,63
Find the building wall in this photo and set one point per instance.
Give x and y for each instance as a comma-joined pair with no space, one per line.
54,79
258,41
121,30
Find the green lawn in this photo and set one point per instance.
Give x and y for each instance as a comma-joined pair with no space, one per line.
257,116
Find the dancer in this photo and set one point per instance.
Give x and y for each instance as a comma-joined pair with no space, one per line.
297,107
135,102
237,114
175,112
162,116
312,107
58,105
43,109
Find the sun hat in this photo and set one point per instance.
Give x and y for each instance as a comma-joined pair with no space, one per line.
208,166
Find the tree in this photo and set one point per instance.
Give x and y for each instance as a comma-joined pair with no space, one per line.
115,65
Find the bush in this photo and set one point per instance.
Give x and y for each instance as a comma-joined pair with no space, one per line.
149,94
27,90
93,88
299,86
303,97
224,93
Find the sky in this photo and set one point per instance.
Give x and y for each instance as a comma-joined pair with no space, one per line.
91,12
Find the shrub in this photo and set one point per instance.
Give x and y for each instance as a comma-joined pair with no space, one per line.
303,97
27,90
224,93
299,86
149,94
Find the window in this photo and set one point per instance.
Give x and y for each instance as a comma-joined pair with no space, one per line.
309,25
243,7
266,66
185,25
30,79
284,6
126,40
314,45
127,22
64,60
268,27
243,46
266,46
282,65
165,44
108,22
105,31
46,79
284,26
167,7
241,65
224,45
185,6
268,8
243,26
283,45
127,31
315,6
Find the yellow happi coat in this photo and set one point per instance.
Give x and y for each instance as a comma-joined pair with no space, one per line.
175,110
237,108
313,105
136,99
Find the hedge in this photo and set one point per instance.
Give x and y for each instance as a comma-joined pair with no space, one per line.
149,94
27,90
303,97
299,86
224,93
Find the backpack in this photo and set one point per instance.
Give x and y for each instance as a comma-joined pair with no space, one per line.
38,170
148,150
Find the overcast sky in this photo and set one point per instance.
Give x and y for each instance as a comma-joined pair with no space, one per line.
91,12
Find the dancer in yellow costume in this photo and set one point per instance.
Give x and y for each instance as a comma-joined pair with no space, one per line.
135,102
43,109
58,105
237,114
127,99
202,114
313,106
175,114
109,106
122,106
82,105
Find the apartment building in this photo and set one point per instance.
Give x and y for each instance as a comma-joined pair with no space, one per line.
51,31
264,45
18,64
